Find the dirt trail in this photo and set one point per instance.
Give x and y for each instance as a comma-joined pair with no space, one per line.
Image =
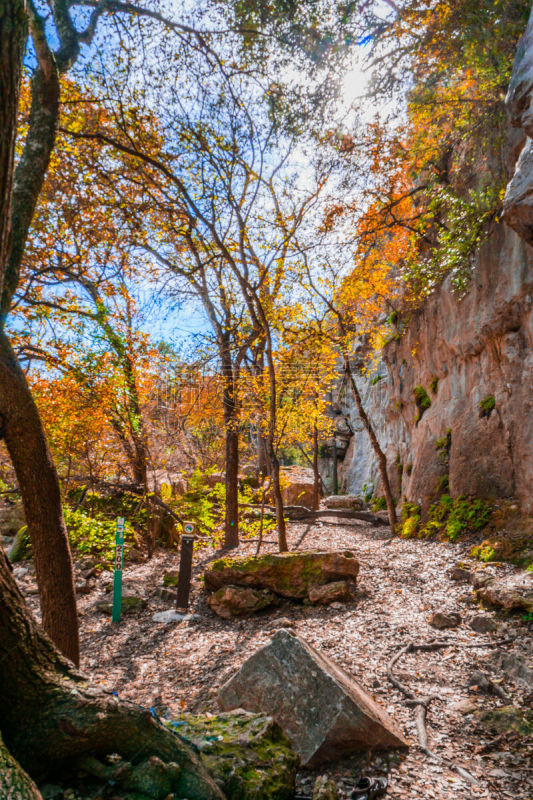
180,667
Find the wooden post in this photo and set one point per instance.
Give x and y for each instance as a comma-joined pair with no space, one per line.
185,571
119,561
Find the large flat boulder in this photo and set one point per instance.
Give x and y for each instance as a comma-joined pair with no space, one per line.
319,706
286,574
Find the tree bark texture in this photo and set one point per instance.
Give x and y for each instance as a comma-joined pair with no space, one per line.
52,722
39,487
19,418
382,461
13,33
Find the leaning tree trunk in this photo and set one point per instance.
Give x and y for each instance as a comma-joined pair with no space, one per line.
316,473
39,488
382,461
52,723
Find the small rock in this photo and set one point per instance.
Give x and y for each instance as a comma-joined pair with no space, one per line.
237,601
134,555
325,789
20,572
168,616
167,594
498,773
170,578
460,574
479,681
284,622
337,591
129,604
483,623
464,706
513,666
83,588
442,620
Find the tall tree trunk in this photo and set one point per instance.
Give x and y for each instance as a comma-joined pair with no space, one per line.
231,530
51,720
231,424
39,488
278,499
13,33
20,423
382,461
263,462
316,474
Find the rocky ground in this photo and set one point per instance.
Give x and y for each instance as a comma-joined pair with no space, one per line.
180,666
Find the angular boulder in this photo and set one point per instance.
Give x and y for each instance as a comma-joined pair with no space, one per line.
240,601
286,574
319,706
513,591
338,591
247,754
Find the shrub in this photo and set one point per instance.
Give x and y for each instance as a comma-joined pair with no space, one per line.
487,406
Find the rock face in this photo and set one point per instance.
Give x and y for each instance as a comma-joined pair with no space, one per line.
441,621
286,574
467,350
248,754
462,352
238,601
321,708
511,591
518,201
300,490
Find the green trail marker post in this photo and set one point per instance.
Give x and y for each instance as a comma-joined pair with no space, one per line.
119,561
185,571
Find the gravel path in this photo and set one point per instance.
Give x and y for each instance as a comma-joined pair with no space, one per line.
180,667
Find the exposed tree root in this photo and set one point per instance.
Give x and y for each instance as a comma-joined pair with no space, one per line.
52,721
15,784
421,705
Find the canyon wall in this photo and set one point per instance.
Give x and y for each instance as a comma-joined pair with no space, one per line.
460,353
453,400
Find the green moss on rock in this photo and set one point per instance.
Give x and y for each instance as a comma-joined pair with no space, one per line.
286,574
248,754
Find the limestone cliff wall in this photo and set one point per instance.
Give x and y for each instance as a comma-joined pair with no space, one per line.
466,350
463,351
